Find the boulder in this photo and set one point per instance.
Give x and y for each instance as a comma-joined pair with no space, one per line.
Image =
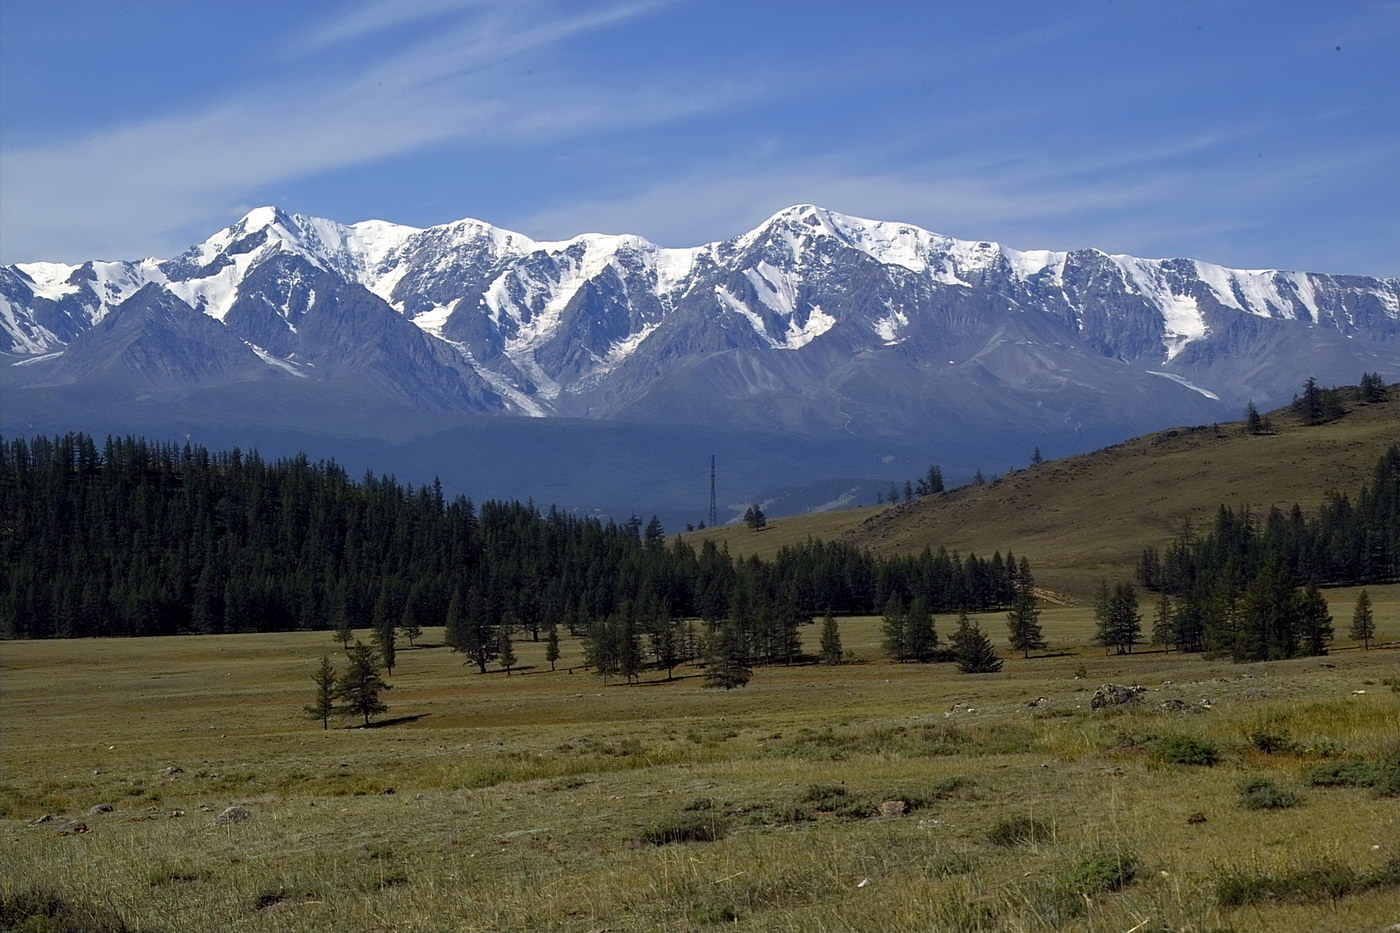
232,815
99,808
1115,695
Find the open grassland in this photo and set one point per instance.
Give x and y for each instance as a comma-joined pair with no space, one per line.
549,800
1084,518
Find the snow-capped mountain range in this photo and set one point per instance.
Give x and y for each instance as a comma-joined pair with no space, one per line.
814,324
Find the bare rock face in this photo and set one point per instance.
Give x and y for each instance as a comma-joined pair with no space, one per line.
1115,695
232,815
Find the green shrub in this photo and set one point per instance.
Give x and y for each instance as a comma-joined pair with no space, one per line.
38,910
683,827
1184,750
825,798
698,803
1270,742
1353,773
1101,873
1019,830
1310,883
1260,794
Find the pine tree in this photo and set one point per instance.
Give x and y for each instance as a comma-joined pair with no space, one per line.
506,651
341,628
726,661
896,642
454,632
1036,458
409,623
831,640
361,684
1164,624
973,649
323,706
551,644
1314,622
755,518
1023,621
384,639
1127,621
1363,621
920,636
1253,423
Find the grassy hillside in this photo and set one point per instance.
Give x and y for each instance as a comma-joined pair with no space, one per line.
525,802
1083,518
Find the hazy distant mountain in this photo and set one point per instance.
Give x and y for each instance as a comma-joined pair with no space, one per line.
813,327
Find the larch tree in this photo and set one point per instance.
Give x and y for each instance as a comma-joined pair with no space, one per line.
361,685
973,649
1363,620
1023,621
831,640
551,644
322,706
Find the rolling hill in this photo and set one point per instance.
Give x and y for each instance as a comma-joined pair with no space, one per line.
1087,517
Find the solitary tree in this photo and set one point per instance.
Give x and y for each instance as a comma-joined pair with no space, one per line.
1253,422
831,640
973,649
323,705
896,642
1363,621
551,644
506,654
1023,621
920,636
409,624
1164,624
361,684
384,639
755,518
1036,458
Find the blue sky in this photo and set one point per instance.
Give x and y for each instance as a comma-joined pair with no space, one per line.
1254,134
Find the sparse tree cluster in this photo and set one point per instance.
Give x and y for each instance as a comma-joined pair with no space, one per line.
359,687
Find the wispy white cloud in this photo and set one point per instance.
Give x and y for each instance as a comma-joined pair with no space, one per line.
151,181
1138,199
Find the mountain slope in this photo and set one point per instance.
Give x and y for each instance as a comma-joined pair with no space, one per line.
1087,517
868,339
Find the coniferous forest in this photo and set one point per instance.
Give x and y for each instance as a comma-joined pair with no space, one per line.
1248,589
142,538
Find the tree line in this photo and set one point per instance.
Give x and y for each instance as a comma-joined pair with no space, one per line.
1249,588
135,537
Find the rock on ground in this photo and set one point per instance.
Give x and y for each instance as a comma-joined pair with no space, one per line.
1115,695
232,815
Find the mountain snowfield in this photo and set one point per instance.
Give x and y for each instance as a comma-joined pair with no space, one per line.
819,355
543,324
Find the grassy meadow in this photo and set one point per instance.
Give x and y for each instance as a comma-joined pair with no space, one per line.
552,801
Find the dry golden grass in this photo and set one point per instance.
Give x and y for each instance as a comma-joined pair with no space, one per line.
1084,518
517,802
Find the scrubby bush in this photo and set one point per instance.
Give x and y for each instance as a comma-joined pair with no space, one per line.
683,827
1101,873
1353,773
1260,794
1019,830
1184,750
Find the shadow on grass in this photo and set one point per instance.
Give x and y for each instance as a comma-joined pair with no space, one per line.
396,721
